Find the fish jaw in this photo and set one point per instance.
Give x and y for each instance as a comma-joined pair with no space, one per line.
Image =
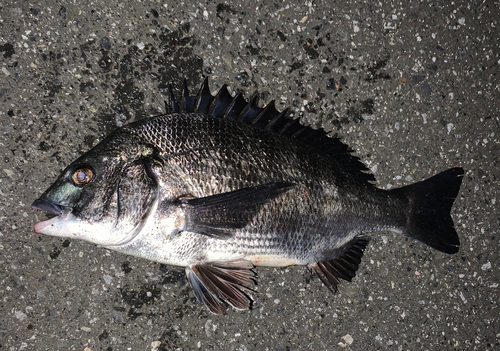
48,227
53,225
66,225
70,226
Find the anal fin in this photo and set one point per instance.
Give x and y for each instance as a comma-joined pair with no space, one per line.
218,284
344,264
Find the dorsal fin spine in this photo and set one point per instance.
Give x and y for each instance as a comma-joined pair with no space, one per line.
218,105
171,105
236,106
187,101
203,99
265,116
249,113
275,124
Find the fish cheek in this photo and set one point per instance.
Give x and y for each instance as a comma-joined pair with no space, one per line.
89,201
135,195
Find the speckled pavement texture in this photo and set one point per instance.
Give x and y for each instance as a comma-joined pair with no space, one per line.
412,86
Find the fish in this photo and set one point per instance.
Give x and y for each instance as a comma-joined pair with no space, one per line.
219,185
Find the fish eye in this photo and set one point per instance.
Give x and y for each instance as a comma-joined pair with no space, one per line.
82,176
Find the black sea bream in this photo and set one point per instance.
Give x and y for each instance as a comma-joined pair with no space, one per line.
219,185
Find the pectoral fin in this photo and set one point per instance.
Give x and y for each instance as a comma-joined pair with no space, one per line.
221,214
218,284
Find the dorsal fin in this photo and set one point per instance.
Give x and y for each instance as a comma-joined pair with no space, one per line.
223,105
291,128
265,116
171,105
250,112
203,99
187,101
221,102
278,122
235,107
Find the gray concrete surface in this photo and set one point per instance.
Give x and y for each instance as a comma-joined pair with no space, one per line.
413,86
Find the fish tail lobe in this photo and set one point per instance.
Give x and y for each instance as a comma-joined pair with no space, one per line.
429,220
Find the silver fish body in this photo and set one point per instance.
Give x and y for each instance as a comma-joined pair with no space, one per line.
325,208
220,193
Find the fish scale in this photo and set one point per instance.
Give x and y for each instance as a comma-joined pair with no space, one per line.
219,185
294,209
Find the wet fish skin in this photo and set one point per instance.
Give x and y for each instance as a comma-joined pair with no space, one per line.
218,194
306,205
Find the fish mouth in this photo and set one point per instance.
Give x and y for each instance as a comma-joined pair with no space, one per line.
63,223
53,211
47,207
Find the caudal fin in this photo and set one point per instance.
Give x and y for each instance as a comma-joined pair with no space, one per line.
430,201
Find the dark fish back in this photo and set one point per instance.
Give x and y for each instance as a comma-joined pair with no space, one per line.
223,105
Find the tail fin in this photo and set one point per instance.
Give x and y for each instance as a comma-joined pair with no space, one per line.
430,201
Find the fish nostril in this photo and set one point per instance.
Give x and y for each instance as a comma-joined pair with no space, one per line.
47,207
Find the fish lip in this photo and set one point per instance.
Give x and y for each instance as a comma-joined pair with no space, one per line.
55,212
50,207
47,207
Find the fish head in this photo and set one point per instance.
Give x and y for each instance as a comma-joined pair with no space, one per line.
104,197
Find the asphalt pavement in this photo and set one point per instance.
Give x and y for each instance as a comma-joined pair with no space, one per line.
412,86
